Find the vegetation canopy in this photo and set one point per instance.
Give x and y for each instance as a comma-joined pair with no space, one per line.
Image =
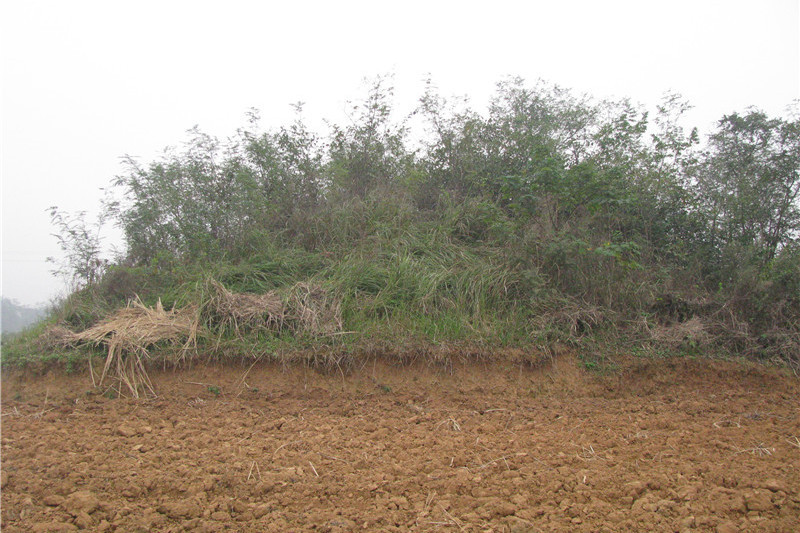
551,220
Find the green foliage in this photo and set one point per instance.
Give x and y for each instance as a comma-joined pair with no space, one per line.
82,264
541,221
206,201
370,152
750,183
26,350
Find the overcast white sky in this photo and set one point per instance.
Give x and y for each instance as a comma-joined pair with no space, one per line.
84,83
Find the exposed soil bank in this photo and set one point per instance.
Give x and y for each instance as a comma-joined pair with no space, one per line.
659,446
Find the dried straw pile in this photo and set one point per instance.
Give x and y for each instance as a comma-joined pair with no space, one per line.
241,311
131,331
692,331
578,319
56,337
315,310
306,308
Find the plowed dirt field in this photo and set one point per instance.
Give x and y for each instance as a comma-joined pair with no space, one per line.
675,445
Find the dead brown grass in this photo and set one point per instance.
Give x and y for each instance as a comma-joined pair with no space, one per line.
131,332
693,331
315,310
243,311
578,319
306,307
55,337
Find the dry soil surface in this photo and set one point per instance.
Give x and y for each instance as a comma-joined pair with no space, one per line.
656,446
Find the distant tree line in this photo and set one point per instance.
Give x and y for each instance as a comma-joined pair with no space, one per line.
16,317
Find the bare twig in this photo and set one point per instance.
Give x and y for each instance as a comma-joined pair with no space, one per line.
588,454
282,446
333,457
450,422
494,461
759,450
452,519
726,423
244,376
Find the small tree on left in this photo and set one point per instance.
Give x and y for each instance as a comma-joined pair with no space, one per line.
81,244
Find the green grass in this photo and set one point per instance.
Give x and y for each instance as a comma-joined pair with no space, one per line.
24,350
404,280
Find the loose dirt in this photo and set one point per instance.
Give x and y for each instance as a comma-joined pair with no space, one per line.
656,446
